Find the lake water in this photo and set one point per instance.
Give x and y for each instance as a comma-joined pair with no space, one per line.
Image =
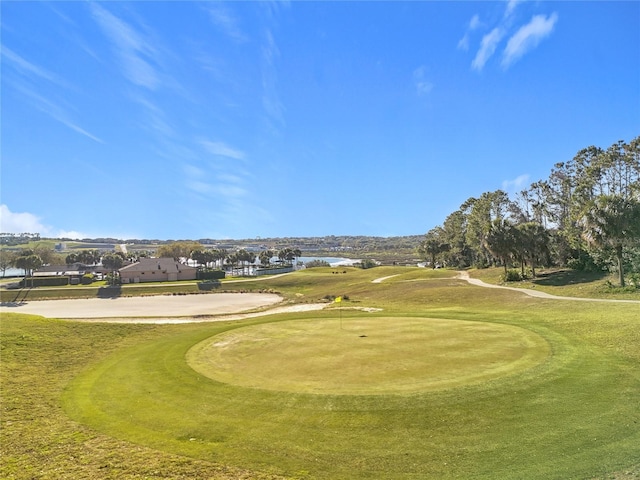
333,261
13,272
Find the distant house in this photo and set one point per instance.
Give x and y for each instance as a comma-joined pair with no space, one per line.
156,270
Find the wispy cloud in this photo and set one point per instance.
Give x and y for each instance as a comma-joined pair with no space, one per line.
488,47
224,181
511,6
229,190
226,188
27,68
474,24
224,19
157,122
35,74
222,149
135,53
516,184
528,37
270,98
423,86
53,110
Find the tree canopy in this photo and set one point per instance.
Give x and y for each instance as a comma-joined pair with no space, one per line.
586,214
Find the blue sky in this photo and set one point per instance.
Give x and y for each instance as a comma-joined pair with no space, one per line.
181,119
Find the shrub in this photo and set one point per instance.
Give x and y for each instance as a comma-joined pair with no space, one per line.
317,263
368,263
608,287
511,276
585,262
113,278
53,281
87,279
634,279
210,274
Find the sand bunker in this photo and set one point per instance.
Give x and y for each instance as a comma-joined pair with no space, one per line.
152,306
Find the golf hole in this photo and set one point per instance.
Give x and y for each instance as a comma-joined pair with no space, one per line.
367,356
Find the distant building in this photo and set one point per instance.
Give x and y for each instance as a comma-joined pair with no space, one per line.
156,270
73,270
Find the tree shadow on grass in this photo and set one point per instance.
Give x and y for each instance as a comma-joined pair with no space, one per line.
112,291
567,277
19,299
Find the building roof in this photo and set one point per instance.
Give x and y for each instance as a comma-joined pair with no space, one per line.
163,264
73,269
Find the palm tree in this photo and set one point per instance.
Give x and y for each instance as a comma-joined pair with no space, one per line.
297,253
265,257
286,255
612,221
113,262
233,259
199,257
501,241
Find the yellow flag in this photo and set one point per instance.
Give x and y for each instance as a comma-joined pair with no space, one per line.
338,299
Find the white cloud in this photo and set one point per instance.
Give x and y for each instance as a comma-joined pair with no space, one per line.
11,222
223,150
515,185
25,222
528,37
133,50
487,48
79,235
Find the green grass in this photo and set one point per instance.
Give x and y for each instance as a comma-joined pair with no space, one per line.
123,401
565,282
368,355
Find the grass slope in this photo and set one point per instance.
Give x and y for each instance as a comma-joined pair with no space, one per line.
140,411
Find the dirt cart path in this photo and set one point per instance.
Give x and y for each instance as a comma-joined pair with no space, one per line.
462,275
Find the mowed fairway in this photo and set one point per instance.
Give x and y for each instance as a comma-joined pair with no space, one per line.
448,380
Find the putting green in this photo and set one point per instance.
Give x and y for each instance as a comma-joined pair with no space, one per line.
367,356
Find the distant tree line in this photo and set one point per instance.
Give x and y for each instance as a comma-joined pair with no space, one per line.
18,238
586,216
